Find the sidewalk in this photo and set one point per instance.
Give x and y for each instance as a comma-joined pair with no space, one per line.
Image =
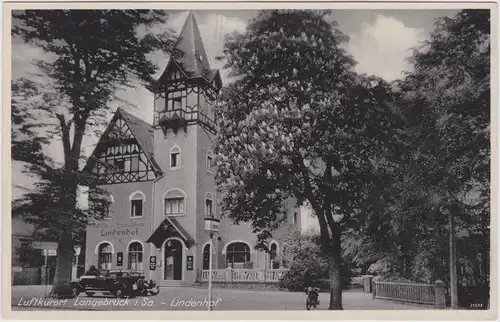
173,298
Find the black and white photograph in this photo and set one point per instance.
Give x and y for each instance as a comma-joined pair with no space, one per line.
251,159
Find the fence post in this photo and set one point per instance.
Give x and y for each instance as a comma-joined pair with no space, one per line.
440,296
374,289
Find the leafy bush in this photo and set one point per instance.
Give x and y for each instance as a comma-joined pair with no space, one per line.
308,265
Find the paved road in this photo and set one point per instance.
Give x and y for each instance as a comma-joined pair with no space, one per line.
188,298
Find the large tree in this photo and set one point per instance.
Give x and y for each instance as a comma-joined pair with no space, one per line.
452,80
90,54
299,124
445,171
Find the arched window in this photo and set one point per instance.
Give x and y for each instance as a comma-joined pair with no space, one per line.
209,207
210,161
135,256
274,256
137,200
237,255
175,202
105,256
175,157
206,256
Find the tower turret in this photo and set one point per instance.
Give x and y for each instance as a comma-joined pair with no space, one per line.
187,90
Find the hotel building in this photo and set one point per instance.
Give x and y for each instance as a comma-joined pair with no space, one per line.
160,179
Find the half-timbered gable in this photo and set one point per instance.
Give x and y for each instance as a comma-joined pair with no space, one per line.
124,153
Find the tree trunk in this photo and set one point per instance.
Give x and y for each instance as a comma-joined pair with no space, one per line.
335,277
65,246
62,275
453,264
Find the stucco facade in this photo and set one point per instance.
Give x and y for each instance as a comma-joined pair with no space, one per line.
155,223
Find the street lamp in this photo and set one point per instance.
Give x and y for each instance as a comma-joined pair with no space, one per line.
78,249
211,227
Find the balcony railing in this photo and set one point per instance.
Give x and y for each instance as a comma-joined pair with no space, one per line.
190,116
230,275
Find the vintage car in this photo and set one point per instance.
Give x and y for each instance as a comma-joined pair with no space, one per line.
118,283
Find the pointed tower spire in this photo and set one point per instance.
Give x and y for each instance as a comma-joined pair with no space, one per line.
193,57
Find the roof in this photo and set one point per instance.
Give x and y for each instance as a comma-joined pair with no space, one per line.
192,58
142,131
170,227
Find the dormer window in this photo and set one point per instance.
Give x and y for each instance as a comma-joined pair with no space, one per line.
119,165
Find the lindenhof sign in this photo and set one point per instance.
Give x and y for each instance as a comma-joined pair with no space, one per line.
119,232
118,229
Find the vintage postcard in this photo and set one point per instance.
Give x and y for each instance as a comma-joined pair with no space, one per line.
267,160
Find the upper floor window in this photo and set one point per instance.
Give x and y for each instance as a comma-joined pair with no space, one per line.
295,218
209,161
175,157
209,212
174,206
137,200
134,163
119,165
176,100
107,207
175,203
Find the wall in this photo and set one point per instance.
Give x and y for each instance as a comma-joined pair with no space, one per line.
121,229
205,184
182,179
243,232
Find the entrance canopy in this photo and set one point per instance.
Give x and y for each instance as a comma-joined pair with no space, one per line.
170,227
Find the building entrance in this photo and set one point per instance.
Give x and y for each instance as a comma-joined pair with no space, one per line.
173,260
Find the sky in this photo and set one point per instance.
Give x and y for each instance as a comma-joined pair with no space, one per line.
380,42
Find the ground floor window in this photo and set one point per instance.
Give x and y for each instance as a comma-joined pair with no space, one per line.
105,256
237,255
273,256
135,256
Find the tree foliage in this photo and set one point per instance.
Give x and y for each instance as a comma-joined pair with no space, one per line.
445,102
300,125
90,54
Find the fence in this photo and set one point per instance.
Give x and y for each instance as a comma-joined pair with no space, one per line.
430,294
242,275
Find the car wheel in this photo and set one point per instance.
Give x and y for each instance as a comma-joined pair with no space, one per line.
154,291
89,294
